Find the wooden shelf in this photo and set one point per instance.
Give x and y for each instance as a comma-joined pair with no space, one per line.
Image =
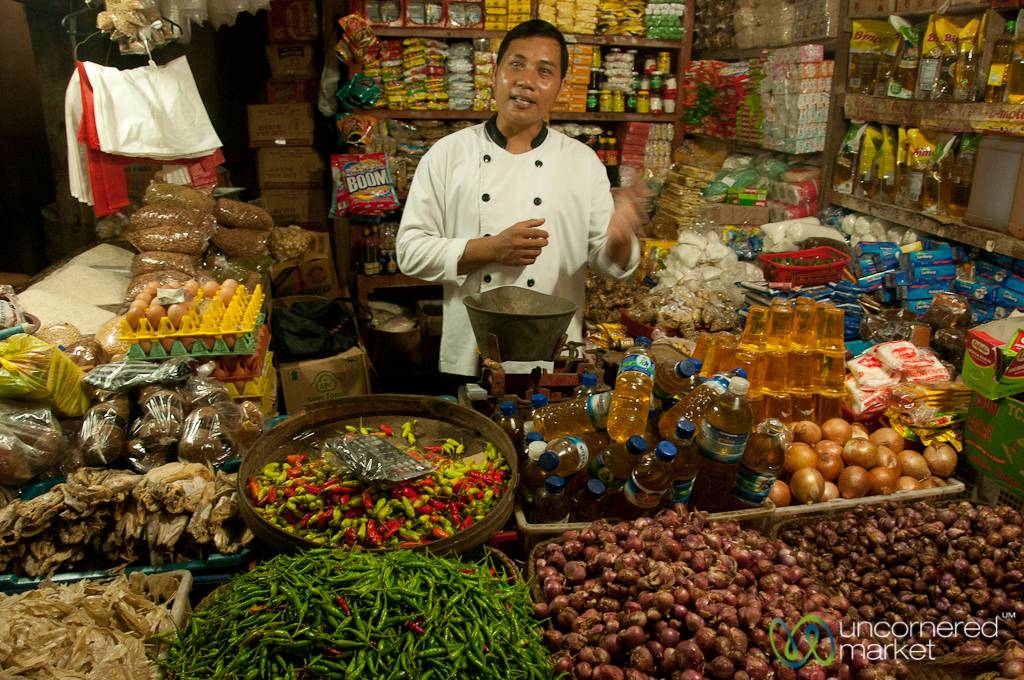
365,285
387,114
748,147
1007,119
473,33
737,54
583,116
936,225
973,8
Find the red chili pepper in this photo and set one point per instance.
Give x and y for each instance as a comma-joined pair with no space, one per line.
272,495
313,489
456,517
324,518
367,500
293,472
343,603
352,514
387,429
433,449
254,488
439,533
425,509
467,522
415,627
373,534
305,520
466,571
391,527
350,536
343,499
334,651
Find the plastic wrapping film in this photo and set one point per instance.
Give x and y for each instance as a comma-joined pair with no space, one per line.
123,377
31,442
948,310
241,242
86,353
200,391
239,215
288,243
60,334
159,260
213,434
177,194
154,436
372,459
109,337
103,435
165,278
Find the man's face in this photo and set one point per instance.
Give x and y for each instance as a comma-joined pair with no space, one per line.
528,80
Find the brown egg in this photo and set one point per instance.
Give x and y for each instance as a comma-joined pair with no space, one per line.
210,289
176,312
152,287
154,313
191,288
139,304
167,344
229,340
132,316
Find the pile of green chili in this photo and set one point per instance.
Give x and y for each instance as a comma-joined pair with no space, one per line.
344,613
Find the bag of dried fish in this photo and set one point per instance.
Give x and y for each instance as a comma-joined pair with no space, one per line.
31,442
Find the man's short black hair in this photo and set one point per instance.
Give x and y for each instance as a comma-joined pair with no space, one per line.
536,28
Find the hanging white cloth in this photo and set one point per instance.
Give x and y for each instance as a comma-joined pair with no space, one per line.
78,169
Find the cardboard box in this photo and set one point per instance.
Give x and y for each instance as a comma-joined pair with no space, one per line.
290,168
994,438
312,273
992,366
291,91
722,213
291,62
872,8
304,207
308,383
280,125
291,21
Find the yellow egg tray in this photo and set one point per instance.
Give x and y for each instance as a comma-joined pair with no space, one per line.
242,344
205,319
262,387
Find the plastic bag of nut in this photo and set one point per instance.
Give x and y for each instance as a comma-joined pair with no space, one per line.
157,260
239,215
160,192
288,243
241,242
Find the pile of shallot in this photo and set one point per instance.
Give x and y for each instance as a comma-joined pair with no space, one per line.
957,563
677,597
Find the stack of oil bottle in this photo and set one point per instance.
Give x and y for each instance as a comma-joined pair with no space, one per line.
676,432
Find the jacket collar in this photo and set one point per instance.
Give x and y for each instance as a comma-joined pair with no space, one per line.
491,126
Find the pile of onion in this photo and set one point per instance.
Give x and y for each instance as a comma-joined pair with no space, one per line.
676,597
842,460
917,562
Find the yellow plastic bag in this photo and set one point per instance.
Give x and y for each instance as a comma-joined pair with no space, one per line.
37,371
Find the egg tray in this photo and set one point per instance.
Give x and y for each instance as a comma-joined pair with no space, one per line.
241,315
263,388
246,344
253,364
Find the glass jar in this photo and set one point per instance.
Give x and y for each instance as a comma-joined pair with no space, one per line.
657,105
618,102
665,61
643,101
605,101
593,100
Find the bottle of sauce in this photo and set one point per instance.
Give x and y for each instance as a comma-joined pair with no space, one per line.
590,502
551,505
761,463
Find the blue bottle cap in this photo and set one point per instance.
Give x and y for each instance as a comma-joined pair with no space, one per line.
539,401
534,437
596,488
642,341
738,373
699,363
507,407
685,429
548,461
636,445
554,484
686,368
666,452
588,379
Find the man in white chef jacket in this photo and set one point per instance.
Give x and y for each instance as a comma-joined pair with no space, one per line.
513,202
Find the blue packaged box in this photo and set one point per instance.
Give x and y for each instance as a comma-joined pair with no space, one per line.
884,248
931,274
1005,297
1014,283
918,307
981,312
886,295
923,291
992,272
927,258
976,290
1018,266
887,278
1004,261
868,264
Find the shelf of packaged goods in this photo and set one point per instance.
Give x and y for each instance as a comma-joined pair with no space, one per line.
583,116
936,225
473,33
748,147
925,9
737,54
1006,119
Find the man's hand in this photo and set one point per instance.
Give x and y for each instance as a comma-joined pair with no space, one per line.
517,246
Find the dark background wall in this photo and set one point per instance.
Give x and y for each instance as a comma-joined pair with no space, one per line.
39,220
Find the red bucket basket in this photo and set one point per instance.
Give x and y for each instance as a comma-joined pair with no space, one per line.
811,267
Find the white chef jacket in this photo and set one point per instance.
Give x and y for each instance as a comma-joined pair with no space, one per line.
468,186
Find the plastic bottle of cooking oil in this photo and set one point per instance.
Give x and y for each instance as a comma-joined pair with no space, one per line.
725,429
1015,83
961,176
805,323
615,463
530,438
673,381
538,403
585,413
590,502
755,330
588,385
780,324
631,398
573,452
536,471
687,462
693,406
508,421
761,463
999,71
551,504
651,478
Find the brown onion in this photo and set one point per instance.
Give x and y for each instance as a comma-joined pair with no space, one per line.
837,430
807,485
882,480
831,492
853,482
860,452
887,459
806,431
888,438
941,460
906,484
912,464
799,456
780,494
830,465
